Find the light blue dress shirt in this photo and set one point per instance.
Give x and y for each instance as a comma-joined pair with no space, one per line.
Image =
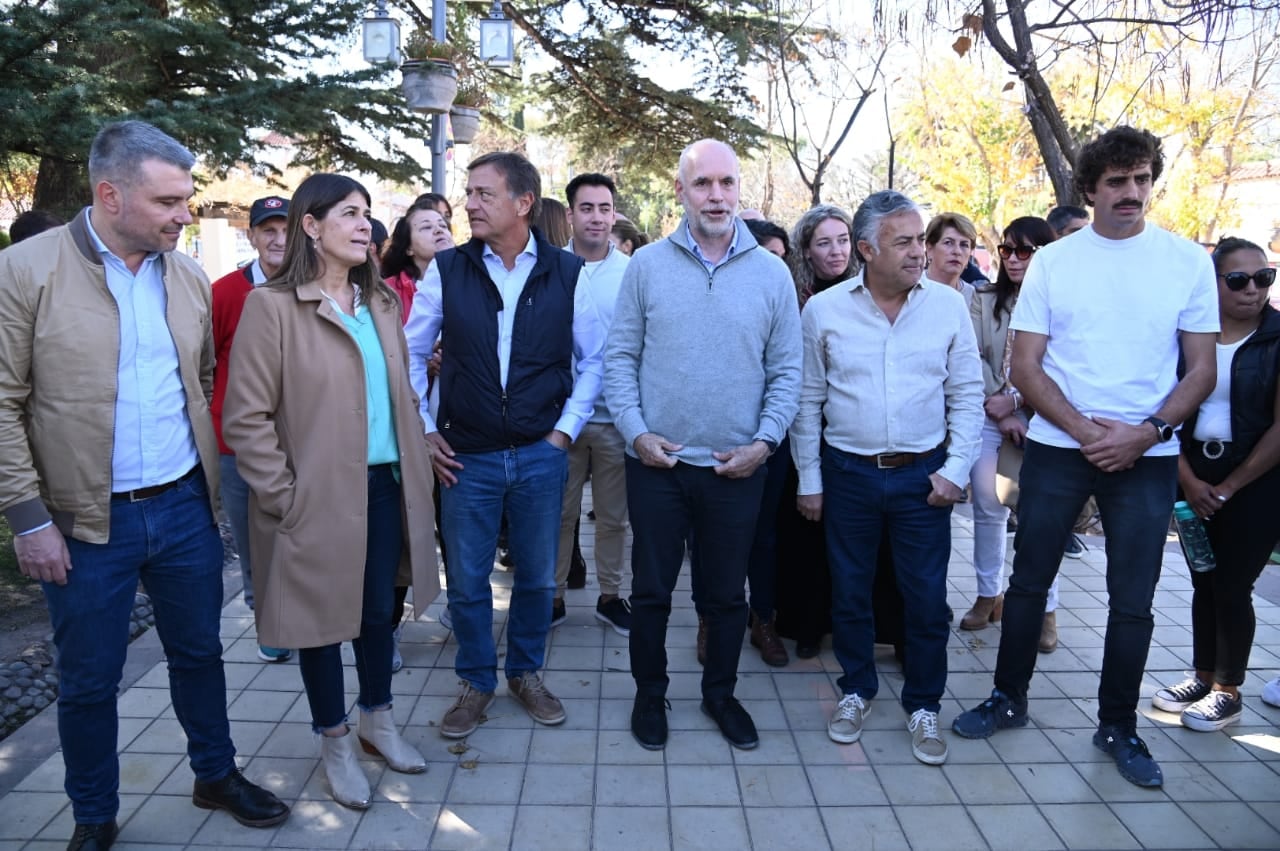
153,442
697,249
427,318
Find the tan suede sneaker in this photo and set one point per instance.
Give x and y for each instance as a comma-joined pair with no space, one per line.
541,704
464,716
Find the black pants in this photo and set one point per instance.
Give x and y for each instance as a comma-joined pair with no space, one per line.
1136,505
1242,533
803,589
665,505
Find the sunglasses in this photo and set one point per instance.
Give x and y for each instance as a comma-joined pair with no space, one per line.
1236,281
1023,252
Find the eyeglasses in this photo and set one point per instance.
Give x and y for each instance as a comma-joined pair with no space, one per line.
1236,281
1023,252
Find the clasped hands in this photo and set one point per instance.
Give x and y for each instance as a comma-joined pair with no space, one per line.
1112,446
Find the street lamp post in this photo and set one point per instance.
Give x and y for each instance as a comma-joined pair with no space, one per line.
439,141
381,37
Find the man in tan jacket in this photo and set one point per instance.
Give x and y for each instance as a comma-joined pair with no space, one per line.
108,466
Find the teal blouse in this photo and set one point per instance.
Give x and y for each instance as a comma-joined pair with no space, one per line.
383,448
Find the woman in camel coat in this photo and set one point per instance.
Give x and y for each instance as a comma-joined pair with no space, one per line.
326,431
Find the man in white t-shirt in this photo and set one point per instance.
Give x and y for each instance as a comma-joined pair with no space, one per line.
1099,324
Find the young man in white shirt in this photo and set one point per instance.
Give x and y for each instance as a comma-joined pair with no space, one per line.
599,447
1099,325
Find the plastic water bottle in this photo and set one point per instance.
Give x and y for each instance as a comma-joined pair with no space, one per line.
1194,537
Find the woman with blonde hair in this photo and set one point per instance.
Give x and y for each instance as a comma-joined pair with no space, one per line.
948,242
326,431
821,255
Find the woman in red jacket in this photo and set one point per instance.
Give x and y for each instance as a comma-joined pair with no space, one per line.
415,239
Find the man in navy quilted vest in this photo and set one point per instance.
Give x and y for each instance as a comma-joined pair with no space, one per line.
519,377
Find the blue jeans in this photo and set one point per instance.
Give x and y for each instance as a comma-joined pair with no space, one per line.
527,484
235,502
171,544
717,517
860,503
321,667
1135,505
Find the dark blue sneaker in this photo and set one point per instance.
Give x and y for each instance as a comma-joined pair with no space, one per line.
1133,760
997,712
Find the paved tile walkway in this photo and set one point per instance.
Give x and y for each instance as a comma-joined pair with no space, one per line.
514,785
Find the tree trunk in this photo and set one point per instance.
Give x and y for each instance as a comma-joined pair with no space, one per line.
62,187
1057,146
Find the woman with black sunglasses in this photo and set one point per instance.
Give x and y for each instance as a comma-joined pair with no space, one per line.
1229,471
1006,418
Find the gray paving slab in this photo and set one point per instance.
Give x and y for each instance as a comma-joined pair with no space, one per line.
516,785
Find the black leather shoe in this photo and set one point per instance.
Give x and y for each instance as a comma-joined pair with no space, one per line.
807,648
734,722
649,721
248,804
93,837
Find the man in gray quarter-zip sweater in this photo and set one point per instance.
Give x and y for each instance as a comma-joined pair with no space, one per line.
702,373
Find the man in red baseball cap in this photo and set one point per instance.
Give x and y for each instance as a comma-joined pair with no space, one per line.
267,219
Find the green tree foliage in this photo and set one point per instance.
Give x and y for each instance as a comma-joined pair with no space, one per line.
636,80
219,75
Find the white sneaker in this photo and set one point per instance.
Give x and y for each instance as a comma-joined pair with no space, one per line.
1271,692
845,726
927,744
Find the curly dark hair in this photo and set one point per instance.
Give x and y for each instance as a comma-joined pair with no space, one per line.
1120,147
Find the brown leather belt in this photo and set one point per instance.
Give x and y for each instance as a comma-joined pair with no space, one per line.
893,460
154,490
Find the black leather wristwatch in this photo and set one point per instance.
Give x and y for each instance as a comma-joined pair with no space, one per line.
1164,431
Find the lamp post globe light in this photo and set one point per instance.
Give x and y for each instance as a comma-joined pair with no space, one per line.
381,38
497,45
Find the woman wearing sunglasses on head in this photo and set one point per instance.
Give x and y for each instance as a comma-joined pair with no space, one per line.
1006,417
1229,472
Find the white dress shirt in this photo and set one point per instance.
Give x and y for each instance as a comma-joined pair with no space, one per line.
904,386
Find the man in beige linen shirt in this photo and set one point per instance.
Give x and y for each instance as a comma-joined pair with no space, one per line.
892,364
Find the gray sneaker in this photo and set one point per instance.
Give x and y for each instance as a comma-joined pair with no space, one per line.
845,726
542,706
466,713
927,744
1213,712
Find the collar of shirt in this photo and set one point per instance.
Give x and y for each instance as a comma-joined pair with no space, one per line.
110,260
255,271
859,282
589,263
697,249
530,252
357,303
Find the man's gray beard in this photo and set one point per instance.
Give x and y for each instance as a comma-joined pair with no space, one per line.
703,228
